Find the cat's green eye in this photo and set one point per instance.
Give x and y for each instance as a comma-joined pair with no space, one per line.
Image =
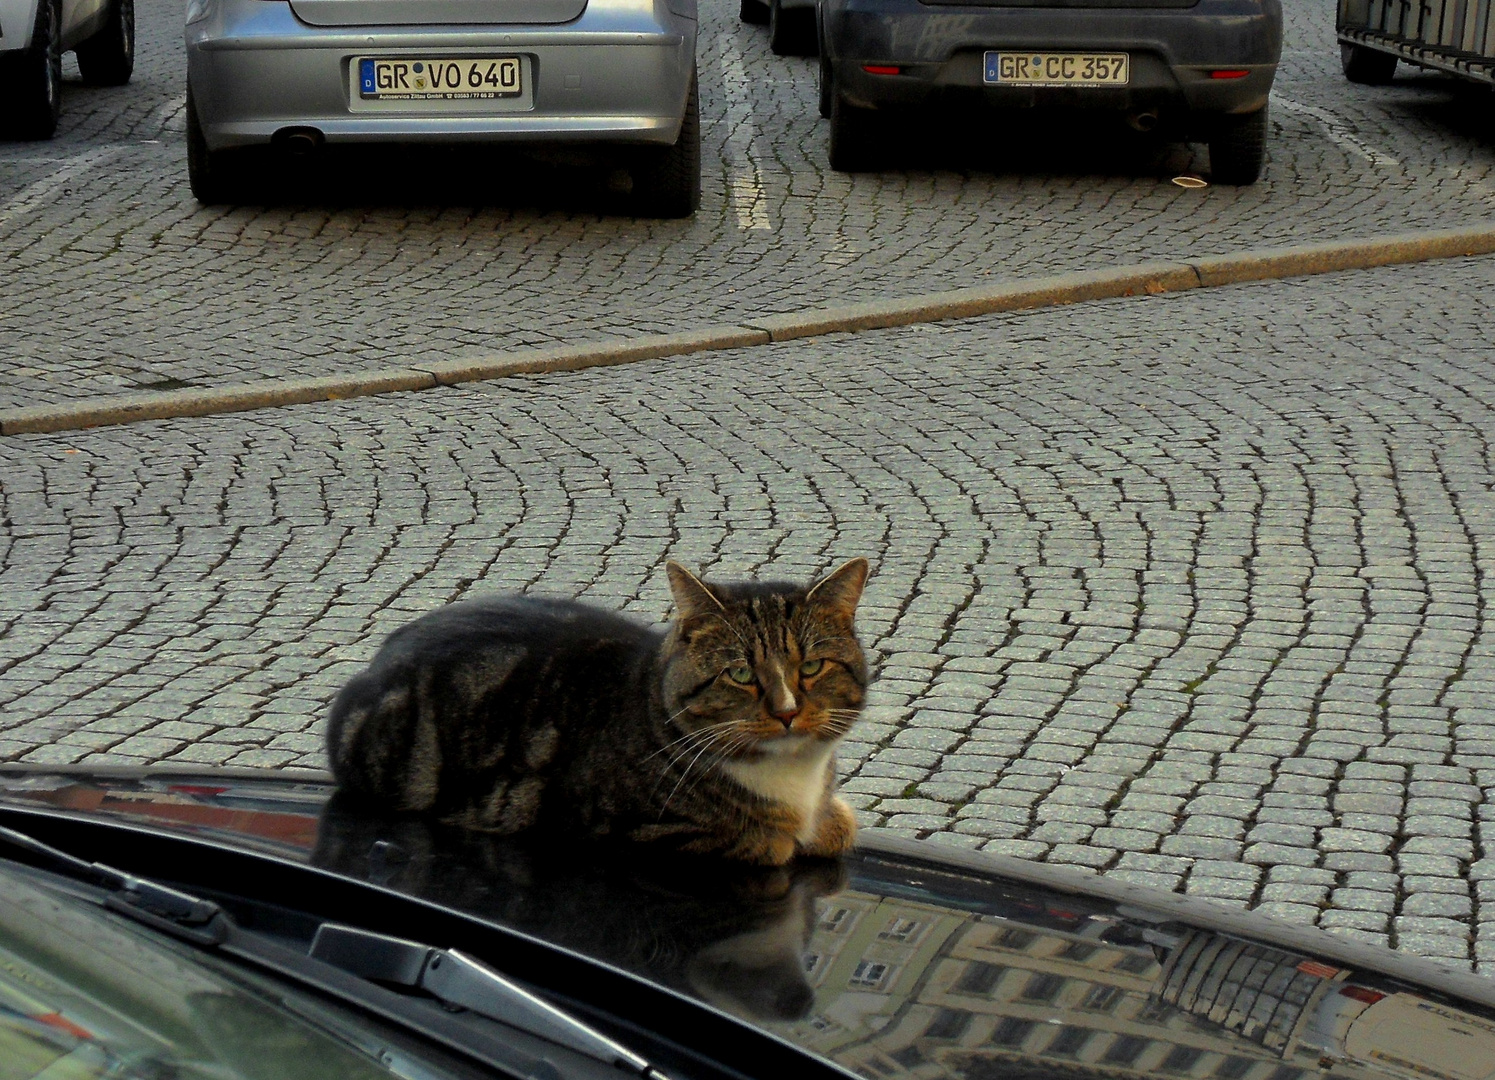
740,674
811,667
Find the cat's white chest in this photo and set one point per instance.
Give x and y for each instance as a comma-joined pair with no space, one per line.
795,779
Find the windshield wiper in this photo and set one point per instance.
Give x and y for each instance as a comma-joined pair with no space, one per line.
450,978
457,980
126,893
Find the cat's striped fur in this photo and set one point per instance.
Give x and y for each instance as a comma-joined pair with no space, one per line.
714,735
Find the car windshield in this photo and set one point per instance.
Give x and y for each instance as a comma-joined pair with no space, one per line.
87,994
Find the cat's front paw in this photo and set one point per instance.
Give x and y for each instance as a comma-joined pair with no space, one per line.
757,847
773,851
834,834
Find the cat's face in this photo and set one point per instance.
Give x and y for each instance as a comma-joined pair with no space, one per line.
756,669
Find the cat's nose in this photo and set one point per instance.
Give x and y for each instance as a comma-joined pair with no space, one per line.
785,714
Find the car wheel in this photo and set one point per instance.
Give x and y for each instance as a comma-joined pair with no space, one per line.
791,32
1238,148
209,172
107,58
825,84
667,180
1368,66
33,80
754,12
852,135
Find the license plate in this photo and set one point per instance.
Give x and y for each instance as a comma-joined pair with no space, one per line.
442,79
1057,69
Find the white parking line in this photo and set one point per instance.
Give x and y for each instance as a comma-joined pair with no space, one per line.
170,115
1338,131
744,164
36,194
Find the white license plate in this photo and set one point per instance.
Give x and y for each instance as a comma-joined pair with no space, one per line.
441,79
1057,69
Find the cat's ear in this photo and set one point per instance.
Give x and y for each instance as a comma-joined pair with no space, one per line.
840,592
692,598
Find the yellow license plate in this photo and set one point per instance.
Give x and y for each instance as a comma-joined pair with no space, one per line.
1057,69
440,79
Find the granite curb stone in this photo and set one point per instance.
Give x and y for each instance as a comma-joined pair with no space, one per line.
1149,279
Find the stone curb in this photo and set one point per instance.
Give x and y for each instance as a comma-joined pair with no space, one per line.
1144,279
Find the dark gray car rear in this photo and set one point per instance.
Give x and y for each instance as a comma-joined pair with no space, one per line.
1196,69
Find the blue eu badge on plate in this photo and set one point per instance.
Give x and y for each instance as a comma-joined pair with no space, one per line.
366,76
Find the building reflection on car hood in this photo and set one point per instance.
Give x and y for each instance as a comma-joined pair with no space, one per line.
887,964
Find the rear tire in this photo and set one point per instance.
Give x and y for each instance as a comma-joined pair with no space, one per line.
825,85
108,57
667,180
791,32
1238,148
1366,66
210,173
754,12
852,136
32,81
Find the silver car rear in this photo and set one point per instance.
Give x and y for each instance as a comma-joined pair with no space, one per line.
303,73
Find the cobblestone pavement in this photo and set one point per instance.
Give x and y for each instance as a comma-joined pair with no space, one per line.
1191,589
114,279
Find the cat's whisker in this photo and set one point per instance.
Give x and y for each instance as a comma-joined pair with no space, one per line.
843,714
731,745
708,727
700,742
689,736
686,772
675,762
715,760
839,721
700,733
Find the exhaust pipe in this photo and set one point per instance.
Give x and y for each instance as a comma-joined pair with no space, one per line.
299,141
1143,121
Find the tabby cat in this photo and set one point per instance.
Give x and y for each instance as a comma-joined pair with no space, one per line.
715,736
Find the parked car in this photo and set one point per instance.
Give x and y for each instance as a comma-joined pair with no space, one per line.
791,24
1456,37
1198,71
33,36
613,76
228,923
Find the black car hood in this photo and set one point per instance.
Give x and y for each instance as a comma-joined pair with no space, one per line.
905,959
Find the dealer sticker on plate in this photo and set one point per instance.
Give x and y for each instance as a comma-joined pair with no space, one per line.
1057,69
445,79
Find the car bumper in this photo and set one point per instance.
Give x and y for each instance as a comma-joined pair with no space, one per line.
255,70
17,17
939,51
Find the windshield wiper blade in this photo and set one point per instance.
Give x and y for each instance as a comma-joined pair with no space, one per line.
457,980
126,893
